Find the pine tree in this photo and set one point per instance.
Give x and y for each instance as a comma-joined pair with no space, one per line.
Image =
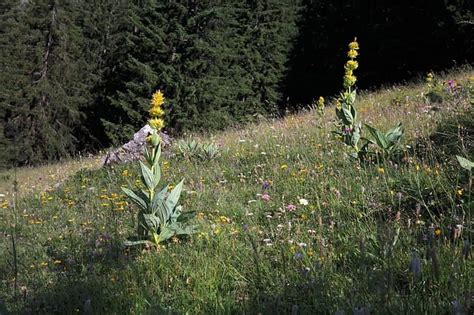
42,95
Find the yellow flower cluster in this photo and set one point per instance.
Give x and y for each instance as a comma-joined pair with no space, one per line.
321,102
349,77
429,77
320,105
156,112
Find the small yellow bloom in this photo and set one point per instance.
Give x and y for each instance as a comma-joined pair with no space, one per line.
460,192
283,166
381,170
156,111
437,231
156,123
157,99
349,80
429,77
354,45
352,53
351,65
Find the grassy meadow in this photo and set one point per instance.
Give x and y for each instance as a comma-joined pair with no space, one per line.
287,222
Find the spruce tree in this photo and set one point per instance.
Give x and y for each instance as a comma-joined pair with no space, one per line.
42,93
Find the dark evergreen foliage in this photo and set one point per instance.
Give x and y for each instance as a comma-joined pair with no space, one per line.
78,75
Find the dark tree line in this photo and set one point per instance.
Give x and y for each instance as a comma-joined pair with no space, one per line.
78,75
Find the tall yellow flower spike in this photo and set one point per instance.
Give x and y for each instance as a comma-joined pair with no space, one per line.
157,99
156,112
156,123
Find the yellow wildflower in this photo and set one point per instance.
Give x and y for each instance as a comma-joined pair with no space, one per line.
381,170
354,45
156,111
351,65
437,231
429,77
156,123
352,53
157,99
321,101
349,80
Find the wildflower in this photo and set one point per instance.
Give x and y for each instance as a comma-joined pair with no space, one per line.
437,231
157,99
354,45
303,202
381,170
283,166
298,255
429,77
320,104
266,184
265,197
291,207
349,80
156,123
156,112
347,130
459,192
351,65
352,53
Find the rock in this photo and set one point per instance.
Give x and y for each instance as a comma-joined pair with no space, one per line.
133,150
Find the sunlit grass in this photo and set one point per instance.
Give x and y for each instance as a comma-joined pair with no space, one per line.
287,223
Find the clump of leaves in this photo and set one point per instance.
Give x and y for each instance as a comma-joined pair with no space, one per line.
388,142
191,149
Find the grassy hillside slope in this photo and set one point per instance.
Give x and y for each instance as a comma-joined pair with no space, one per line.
288,223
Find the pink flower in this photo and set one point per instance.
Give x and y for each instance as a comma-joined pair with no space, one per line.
265,197
291,208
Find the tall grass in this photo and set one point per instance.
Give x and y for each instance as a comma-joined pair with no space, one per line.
385,237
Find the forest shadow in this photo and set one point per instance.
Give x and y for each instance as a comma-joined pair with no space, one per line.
399,40
85,280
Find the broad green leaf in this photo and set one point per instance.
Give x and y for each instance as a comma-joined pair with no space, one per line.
166,233
147,156
156,174
355,135
140,202
174,195
348,118
180,229
148,176
465,163
378,137
157,156
353,113
394,135
152,222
